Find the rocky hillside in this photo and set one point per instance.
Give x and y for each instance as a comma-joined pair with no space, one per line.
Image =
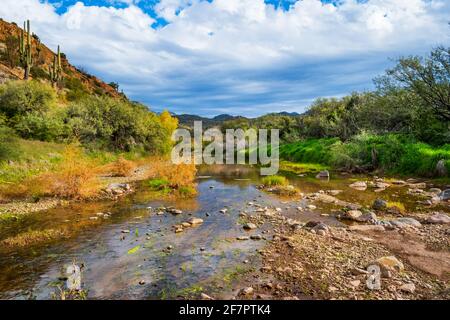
43,58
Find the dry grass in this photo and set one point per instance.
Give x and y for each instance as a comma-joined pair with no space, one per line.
120,168
32,237
178,175
179,178
74,177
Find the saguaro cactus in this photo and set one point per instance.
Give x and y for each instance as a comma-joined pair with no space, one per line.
56,69
25,47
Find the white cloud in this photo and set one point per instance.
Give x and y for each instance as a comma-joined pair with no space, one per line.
224,54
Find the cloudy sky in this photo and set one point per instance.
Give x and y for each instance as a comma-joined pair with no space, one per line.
246,57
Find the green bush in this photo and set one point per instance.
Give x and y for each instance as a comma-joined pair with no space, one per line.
8,143
271,181
309,151
393,153
18,98
117,125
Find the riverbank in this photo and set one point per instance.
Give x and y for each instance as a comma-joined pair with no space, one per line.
47,175
238,239
392,154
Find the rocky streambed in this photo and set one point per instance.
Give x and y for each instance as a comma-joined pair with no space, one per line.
236,239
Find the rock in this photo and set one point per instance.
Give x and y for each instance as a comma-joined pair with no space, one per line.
359,185
379,205
243,238
186,224
355,283
323,175
420,185
388,265
204,296
266,269
435,190
320,229
178,230
367,217
311,224
334,192
445,195
118,188
408,288
399,182
256,237
195,221
438,218
93,218
174,211
405,223
441,170
125,231
367,227
311,207
249,226
246,291
223,210
142,282
381,185
352,215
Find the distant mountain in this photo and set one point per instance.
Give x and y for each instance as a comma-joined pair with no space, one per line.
289,114
223,117
188,119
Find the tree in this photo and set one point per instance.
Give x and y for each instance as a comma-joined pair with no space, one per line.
428,78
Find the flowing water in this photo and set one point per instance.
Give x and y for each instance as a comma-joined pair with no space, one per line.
138,264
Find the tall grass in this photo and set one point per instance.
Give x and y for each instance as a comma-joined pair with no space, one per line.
393,153
271,181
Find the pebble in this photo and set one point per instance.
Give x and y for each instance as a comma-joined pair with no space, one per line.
247,291
408,288
250,226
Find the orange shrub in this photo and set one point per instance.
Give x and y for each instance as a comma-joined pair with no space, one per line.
75,177
120,168
180,175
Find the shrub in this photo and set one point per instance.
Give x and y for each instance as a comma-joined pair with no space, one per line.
18,98
121,167
8,143
75,177
117,125
271,181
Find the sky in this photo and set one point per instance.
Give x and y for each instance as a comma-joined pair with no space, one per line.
241,57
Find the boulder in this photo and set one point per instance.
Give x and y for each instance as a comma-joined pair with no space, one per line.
399,182
438,218
445,195
408,288
246,291
381,185
388,265
406,223
367,227
323,175
367,217
379,205
420,185
352,215
195,221
359,185
250,226
118,188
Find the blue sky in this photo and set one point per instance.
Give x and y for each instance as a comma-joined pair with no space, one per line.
246,57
